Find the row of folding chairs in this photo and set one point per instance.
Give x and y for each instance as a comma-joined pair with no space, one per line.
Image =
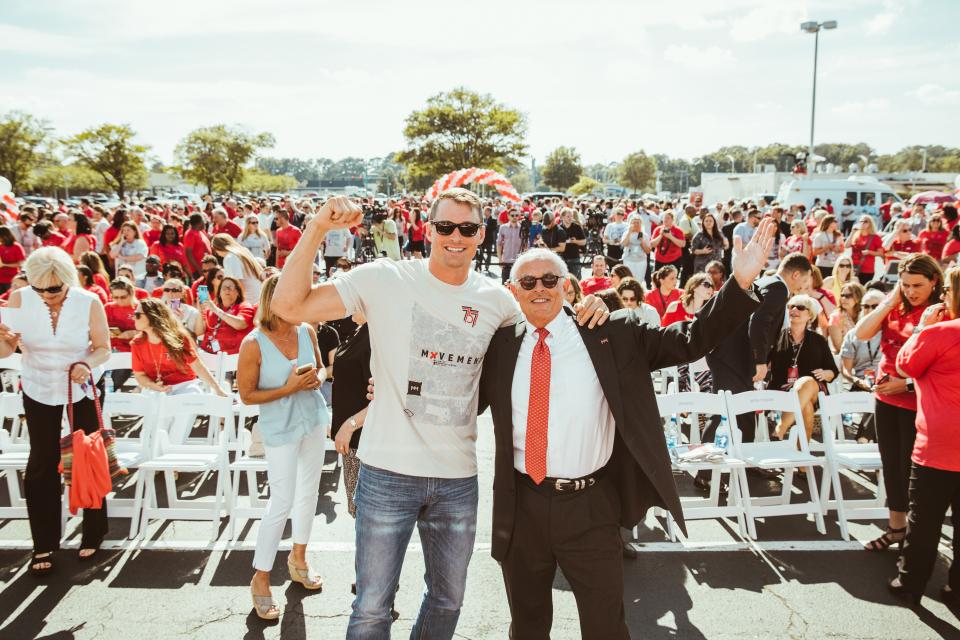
156,448
840,456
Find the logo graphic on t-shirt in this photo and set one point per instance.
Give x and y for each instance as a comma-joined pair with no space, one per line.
414,387
470,315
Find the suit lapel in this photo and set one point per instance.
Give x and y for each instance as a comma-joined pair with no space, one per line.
508,361
601,354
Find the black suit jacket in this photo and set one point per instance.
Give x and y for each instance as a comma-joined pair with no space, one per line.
624,351
751,342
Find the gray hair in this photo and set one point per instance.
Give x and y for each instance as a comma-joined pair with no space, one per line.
873,294
809,303
531,255
48,264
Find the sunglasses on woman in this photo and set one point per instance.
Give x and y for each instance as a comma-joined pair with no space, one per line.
797,307
867,307
445,228
51,290
529,282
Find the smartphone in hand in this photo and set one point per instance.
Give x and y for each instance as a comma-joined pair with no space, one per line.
203,294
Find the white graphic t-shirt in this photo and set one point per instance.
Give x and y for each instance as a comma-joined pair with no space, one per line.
427,340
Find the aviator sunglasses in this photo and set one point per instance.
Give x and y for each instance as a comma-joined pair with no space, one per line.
445,228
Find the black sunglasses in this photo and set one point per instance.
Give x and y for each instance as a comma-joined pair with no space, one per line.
173,290
529,282
869,306
51,290
445,228
798,307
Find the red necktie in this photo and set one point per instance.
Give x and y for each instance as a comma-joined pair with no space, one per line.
538,409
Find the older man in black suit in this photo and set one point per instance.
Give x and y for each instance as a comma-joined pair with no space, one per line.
580,449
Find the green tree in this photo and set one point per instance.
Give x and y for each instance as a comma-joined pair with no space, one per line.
562,168
520,178
302,170
585,185
460,129
260,181
23,139
110,151
72,177
638,172
216,157
939,159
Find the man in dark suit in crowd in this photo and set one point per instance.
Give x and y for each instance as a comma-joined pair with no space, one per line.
580,449
741,358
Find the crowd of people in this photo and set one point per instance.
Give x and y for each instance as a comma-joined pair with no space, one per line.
788,297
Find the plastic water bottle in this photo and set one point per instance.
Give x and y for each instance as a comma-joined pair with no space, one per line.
673,437
722,436
108,384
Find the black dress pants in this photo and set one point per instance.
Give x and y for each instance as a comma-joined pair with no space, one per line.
896,431
42,483
580,533
727,378
932,491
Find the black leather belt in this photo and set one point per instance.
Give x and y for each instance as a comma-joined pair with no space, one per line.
563,485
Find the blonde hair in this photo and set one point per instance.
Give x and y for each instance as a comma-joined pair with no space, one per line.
460,196
810,304
48,264
265,316
226,242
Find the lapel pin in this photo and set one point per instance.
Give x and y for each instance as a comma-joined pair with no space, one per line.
604,341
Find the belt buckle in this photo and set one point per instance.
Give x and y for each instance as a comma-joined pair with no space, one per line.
562,485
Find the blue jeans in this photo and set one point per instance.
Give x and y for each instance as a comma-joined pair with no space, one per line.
445,513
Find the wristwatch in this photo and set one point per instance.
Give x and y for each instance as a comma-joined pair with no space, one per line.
909,383
353,424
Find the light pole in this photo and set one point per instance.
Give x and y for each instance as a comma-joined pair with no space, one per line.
733,163
814,28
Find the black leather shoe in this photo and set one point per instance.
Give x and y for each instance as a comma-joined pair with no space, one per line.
629,553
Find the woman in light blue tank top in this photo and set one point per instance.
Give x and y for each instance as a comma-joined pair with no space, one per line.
293,421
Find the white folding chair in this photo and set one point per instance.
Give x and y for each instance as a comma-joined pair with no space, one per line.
249,467
134,447
664,380
738,499
13,456
10,368
212,361
228,364
11,408
169,458
789,454
850,455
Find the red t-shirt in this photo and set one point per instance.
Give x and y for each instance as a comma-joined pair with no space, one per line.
678,314
197,243
228,337
592,284
933,361
862,263
932,242
8,255
100,293
109,235
54,239
72,240
141,294
231,227
660,302
101,282
951,248
904,246
121,318
151,236
169,252
287,239
153,360
896,330
666,251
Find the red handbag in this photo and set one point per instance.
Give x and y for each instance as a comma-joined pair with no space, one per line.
88,462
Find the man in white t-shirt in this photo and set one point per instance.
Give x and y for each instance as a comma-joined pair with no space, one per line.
430,324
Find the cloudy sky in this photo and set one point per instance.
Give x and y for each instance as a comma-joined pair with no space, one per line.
333,79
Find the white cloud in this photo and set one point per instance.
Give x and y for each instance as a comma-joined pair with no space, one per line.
861,107
768,20
693,57
22,40
935,95
881,23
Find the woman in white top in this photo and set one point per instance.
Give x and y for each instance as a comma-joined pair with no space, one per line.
58,324
238,263
636,247
128,248
827,245
253,237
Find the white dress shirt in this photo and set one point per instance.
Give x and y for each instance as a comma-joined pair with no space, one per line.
580,427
